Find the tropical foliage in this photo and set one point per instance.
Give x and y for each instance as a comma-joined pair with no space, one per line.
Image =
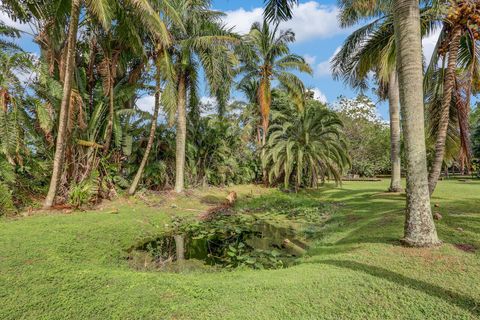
305,146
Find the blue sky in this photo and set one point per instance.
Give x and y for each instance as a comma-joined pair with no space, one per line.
318,37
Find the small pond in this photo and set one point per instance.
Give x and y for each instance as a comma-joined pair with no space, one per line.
228,242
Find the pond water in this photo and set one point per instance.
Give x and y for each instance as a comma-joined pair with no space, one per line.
226,243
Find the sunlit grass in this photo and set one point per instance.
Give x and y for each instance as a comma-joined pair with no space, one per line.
72,266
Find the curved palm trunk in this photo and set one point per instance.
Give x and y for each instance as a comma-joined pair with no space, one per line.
65,104
181,135
449,83
395,144
151,137
419,226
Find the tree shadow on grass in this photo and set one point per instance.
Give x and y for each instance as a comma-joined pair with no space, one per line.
467,303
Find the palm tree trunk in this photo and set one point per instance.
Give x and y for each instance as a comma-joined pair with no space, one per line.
265,100
394,108
181,135
151,137
111,112
419,226
448,85
65,104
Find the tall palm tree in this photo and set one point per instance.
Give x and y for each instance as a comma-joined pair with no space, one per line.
419,226
67,91
153,127
460,25
266,57
202,42
279,10
372,48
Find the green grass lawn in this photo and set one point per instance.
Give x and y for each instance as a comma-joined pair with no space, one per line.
72,266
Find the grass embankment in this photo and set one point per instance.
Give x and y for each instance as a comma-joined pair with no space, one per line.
59,266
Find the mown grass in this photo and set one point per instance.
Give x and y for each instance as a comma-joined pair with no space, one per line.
72,266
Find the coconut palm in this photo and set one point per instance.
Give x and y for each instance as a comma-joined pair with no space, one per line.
153,127
266,57
308,144
204,43
279,10
459,38
372,49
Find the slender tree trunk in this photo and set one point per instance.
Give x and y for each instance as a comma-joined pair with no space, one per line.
448,84
395,144
65,104
419,226
181,135
111,112
265,101
151,137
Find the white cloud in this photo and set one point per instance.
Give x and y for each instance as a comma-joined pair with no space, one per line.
319,95
146,103
429,44
241,20
311,20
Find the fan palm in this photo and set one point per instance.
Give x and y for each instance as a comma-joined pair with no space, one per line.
308,144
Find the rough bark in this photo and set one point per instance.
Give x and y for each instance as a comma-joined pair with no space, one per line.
180,247
419,226
395,143
111,112
181,135
65,105
448,85
151,137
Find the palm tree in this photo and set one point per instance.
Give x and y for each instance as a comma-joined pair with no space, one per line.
308,143
153,127
201,42
279,10
67,91
419,226
101,11
460,32
266,57
372,48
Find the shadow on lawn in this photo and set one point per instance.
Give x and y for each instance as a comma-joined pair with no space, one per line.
465,302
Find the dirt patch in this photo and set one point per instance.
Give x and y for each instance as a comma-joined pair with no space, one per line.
466,247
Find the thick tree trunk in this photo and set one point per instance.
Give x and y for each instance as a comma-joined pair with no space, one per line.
151,137
65,105
448,84
419,226
395,143
181,135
